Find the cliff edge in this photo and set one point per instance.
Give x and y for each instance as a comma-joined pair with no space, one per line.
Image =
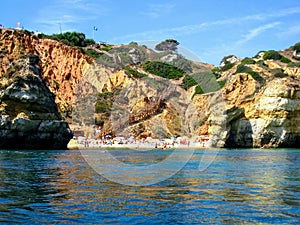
133,90
29,115
262,97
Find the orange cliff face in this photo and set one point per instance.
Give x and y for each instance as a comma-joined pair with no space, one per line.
61,66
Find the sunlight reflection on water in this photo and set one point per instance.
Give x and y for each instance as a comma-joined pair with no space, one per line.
240,186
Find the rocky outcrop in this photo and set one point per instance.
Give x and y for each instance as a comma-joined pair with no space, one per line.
257,107
61,66
272,120
136,107
29,115
262,107
251,110
275,115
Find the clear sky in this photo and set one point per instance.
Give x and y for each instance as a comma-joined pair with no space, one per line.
211,29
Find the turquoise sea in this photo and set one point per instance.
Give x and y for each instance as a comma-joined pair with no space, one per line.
240,186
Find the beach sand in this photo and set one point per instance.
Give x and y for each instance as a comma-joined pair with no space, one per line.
154,144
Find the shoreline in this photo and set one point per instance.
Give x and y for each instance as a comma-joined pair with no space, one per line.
91,144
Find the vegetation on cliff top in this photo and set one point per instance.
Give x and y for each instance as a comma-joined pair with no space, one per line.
131,72
169,44
167,63
74,39
188,81
272,54
139,61
163,69
241,68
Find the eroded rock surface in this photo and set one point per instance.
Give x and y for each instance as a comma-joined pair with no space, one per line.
29,115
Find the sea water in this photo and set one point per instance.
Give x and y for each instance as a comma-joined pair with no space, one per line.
242,186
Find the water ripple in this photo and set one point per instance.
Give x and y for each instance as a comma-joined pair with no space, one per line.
239,187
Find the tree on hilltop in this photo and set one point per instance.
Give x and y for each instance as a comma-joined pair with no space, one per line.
169,44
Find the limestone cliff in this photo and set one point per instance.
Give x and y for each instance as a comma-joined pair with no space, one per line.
251,102
263,97
61,66
128,106
29,116
271,119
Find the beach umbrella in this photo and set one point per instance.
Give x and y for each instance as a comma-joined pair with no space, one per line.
148,138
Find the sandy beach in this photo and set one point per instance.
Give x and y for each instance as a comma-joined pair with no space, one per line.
82,143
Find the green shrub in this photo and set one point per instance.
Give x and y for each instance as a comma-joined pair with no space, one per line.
163,69
188,81
133,44
70,38
242,69
261,62
285,60
102,107
222,83
216,71
248,61
296,47
245,69
271,54
105,95
198,91
106,47
91,53
256,76
280,75
135,73
227,66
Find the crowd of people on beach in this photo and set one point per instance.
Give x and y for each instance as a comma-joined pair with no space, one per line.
132,142
94,139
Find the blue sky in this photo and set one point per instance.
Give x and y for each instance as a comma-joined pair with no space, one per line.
210,29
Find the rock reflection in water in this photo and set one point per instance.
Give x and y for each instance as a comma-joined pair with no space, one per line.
245,186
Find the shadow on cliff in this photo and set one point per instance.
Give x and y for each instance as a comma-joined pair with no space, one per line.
240,134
